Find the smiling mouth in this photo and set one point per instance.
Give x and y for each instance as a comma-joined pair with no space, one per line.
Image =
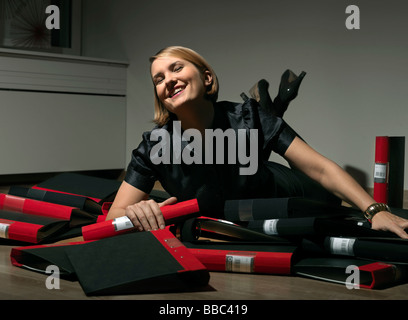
176,92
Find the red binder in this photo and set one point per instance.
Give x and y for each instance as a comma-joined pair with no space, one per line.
121,225
98,189
29,228
139,262
142,262
246,257
39,257
46,209
372,275
80,202
381,169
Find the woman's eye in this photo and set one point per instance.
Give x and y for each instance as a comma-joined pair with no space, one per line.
158,81
178,68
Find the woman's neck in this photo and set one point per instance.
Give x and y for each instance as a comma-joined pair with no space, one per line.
199,117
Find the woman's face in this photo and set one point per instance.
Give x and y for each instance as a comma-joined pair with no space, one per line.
178,82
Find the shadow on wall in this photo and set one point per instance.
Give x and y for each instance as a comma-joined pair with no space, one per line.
360,176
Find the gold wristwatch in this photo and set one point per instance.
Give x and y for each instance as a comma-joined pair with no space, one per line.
373,209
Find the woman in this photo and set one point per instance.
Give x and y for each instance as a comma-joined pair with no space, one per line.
186,90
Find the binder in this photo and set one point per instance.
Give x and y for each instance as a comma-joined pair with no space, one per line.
244,257
381,169
393,250
80,202
275,208
98,189
20,227
39,257
76,216
171,213
220,229
141,262
316,226
396,172
345,271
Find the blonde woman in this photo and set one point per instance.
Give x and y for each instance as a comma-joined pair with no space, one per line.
186,92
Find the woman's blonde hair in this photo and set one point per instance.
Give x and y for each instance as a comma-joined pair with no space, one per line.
161,114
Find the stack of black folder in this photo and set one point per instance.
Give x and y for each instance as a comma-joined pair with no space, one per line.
55,209
285,236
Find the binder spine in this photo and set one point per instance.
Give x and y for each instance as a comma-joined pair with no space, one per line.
179,252
36,207
244,261
20,231
381,169
108,228
382,274
179,210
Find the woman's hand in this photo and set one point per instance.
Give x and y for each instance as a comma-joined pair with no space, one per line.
146,214
387,221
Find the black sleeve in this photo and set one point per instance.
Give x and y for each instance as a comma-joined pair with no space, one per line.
139,172
277,134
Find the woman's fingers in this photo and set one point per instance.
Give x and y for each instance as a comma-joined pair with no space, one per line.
389,222
146,215
168,201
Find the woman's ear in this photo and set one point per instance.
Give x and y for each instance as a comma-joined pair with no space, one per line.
208,78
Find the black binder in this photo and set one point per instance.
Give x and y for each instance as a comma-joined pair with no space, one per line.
99,189
275,208
80,202
141,262
316,226
370,275
370,248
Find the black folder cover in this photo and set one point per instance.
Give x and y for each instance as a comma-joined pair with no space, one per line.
20,227
65,199
313,226
371,275
275,208
39,257
370,248
140,262
194,228
99,189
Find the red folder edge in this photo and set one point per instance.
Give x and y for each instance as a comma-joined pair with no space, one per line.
382,161
178,250
103,229
35,207
16,253
72,194
382,274
21,231
264,262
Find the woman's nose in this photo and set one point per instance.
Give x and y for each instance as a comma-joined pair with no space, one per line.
171,82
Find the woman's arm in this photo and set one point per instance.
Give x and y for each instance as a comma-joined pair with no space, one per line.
339,182
132,202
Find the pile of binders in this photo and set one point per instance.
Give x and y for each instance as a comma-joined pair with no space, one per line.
284,236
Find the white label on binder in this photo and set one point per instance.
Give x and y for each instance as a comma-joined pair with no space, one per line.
122,223
4,230
238,263
342,246
269,227
380,172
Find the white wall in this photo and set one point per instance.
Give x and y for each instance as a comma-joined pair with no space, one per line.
355,87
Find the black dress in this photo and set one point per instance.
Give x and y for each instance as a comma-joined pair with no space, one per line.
270,180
